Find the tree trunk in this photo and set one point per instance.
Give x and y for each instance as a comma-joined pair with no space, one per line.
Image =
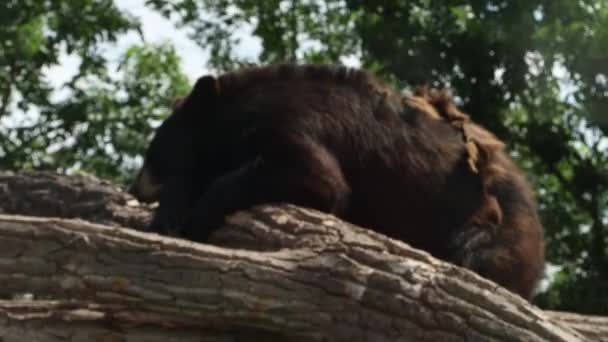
274,273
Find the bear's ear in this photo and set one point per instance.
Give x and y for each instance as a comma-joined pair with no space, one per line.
205,91
177,103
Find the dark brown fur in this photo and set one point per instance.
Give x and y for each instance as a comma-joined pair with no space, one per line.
335,139
506,219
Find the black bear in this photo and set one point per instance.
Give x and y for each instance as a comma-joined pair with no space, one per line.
335,139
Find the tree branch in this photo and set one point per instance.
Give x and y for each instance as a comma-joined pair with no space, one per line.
317,277
279,273
48,194
80,321
595,328
5,98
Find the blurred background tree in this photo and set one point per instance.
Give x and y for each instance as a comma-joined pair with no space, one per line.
99,120
533,71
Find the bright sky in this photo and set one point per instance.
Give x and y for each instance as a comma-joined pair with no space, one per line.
155,29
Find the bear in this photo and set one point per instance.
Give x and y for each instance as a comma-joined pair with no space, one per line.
336,139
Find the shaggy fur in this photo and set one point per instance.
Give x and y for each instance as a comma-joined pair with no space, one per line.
335,139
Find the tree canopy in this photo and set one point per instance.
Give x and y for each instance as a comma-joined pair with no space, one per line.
533,71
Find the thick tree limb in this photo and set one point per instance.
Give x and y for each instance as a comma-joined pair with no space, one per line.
291,274
80,321
86,197
328,280
595,328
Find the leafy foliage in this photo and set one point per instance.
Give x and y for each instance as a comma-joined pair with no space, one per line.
108,122
33,33
101,122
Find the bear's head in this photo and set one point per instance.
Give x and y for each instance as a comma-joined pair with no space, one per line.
169,154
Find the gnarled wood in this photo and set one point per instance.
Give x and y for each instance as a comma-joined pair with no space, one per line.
317,278
282,273
595,328
80,321
81,196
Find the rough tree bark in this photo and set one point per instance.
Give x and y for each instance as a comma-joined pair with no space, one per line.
273,274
